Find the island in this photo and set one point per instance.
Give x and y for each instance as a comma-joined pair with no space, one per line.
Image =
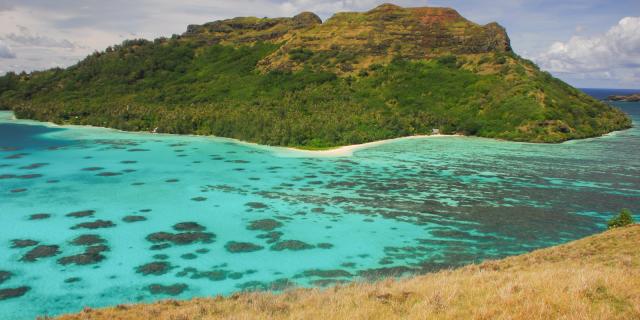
625,98
300,82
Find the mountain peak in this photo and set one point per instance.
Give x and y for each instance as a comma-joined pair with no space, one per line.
380,34
386,7
307,19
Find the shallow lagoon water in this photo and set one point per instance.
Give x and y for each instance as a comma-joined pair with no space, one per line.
267,220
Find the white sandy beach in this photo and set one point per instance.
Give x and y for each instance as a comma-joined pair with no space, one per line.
346,151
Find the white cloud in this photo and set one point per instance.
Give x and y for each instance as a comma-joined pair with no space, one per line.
5,51
612,55
327,8
25,38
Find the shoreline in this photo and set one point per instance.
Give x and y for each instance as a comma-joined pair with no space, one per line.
348,150
342,151
293,152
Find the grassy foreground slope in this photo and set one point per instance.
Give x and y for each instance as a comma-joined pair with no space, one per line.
593,278
355,78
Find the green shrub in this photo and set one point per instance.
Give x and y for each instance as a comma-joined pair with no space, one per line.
448,61
300,54
624,218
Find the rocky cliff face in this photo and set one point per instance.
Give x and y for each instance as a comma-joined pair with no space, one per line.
243,30
353,41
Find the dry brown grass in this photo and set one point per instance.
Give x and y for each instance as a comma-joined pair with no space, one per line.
593,278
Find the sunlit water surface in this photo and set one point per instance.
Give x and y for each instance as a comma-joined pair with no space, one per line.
96,217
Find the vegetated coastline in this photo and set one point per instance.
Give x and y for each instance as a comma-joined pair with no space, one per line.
299,82
593,278
625,98
341,151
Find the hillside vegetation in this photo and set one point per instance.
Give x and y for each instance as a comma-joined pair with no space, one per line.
593,278
358,77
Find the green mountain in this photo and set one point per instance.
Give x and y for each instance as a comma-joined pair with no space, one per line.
358,77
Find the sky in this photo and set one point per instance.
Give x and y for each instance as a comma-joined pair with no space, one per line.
587,43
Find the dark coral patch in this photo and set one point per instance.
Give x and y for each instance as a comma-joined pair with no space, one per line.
33,166
156,268
199,199
13,292
325,245
42,251
189,256
256,205
5,275
138,150
273,236
87,240
91,255
160,256
81,214
171,290
236,247
160,246
98,224
324,273
108,174
277,285
23,243
202,251
146,210
235,275
193,273
188,226
93,169
137,184
294,245
171,181
7,176
181,238
264,225
131,219
72,280
30,176
39,216
16,156
128,161
20,190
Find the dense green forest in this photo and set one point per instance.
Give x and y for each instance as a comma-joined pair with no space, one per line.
186,85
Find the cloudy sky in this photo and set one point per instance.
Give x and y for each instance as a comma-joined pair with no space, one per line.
588,43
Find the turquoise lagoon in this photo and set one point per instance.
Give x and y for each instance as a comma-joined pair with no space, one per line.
97,217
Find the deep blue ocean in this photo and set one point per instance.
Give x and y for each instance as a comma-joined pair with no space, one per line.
97,217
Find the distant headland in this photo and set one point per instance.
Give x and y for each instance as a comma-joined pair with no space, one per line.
625,98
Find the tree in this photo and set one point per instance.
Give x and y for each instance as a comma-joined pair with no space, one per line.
624,218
